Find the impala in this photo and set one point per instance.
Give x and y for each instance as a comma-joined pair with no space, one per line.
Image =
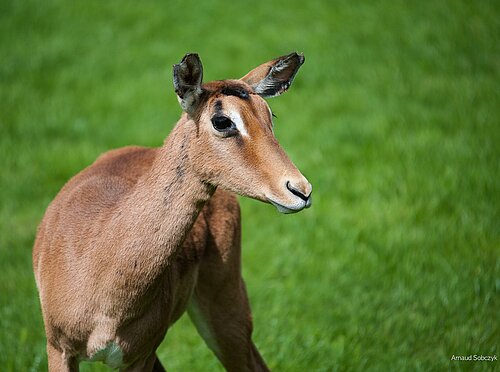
144,234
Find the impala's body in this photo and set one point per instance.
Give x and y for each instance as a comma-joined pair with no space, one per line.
142,234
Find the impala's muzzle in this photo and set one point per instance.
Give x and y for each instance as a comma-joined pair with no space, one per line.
296,197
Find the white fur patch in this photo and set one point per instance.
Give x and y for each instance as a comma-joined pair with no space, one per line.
110,355
235,116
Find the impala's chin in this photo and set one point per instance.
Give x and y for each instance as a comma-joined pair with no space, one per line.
295,207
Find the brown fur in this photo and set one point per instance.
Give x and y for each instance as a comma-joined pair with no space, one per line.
141,235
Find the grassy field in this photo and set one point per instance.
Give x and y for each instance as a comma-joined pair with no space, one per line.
394,118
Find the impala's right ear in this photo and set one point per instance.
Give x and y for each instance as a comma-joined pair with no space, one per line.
188,75
274,77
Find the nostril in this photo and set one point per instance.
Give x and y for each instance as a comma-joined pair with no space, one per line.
296,192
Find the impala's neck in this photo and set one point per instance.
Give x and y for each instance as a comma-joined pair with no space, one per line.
165,203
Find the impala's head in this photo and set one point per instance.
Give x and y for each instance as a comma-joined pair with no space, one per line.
234,146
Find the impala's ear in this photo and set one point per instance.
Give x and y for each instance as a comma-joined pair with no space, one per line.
188,75
274,77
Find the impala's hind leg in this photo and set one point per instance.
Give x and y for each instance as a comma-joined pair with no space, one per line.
59,362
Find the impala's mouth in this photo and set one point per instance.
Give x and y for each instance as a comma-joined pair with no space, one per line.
293,208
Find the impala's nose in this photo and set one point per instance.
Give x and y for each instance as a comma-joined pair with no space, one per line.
301,189
298,198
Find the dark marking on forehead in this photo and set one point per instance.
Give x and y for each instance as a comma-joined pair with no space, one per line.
218,106
236,91
234,88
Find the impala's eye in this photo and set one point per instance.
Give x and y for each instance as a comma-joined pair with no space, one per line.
223,123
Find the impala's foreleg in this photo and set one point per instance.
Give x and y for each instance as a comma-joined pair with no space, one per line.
219,306
224,321
59,362
152,363
157,366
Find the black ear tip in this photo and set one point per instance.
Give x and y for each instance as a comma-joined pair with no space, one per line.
297,58
302,58
190,63
191,57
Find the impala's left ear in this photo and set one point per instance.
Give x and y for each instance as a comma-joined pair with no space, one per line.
188,75
274,77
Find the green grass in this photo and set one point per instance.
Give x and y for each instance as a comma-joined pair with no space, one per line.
394,118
